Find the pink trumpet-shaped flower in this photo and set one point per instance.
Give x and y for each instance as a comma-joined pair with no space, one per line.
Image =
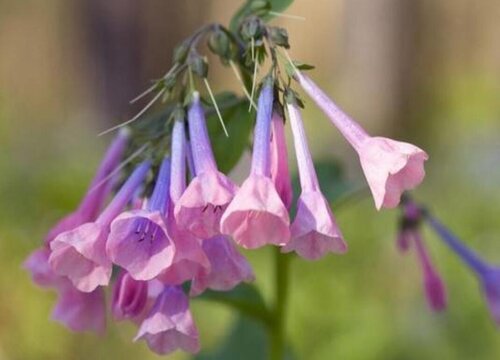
139,240
80,311
80,254
98,191
200,207
170,326
314,230
280,174
228,267
257,215
129,297
434,287
390,166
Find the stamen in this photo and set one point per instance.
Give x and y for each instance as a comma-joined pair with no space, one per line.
238,76
153,235
144,93
139,114
216,106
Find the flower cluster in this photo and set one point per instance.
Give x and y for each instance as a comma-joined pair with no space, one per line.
187,232
488,275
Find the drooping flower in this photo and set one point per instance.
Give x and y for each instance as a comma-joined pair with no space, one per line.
170,326
410,233
280,173
390,166
98,191
488,275
80,311
314,230
434,287
129,297
257,215
189,258
139,240
200,207
228,267
80,254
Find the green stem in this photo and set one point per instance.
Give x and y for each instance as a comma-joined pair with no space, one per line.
277,328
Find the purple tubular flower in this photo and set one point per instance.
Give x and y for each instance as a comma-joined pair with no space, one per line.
129,297
257,215
488,275
314,230
200,207
170,326
435,290
98,191
228,267
189,258
179,158
80,254
280,173
80,311
139,240
390,166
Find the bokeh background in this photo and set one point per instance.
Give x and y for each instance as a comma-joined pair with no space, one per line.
424,71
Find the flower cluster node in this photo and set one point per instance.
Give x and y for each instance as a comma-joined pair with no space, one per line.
165,228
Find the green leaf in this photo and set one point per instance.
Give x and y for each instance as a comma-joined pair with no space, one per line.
246,340
245,298
331,178
249,8
280,5
239,123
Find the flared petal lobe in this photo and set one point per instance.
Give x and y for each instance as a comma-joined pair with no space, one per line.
391,167
170,326
189,258
257,216
228,267
81,311
201,206
140,243
80,255
314,231
37,263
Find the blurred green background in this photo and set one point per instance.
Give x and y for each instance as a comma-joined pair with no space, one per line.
419,70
